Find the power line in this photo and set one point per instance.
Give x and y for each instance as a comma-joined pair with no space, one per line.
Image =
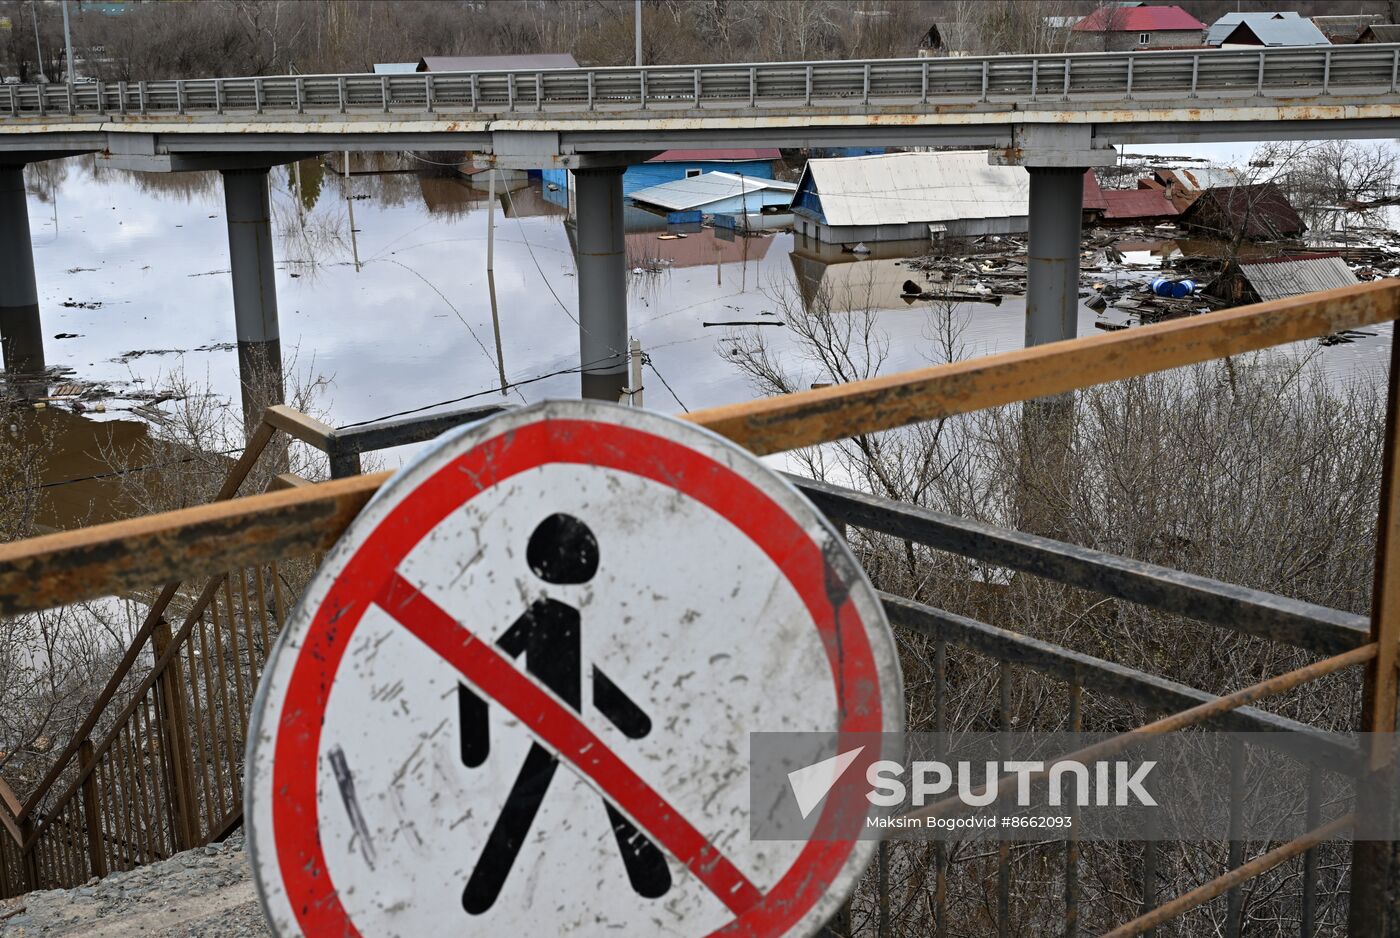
646,360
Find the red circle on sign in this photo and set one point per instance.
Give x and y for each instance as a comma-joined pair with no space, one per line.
373,567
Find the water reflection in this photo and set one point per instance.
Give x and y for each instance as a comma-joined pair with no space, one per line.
413,326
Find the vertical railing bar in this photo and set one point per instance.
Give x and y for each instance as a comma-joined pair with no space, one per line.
865,96
179,96
1327,72
340,91
1129,91
539,91
1003,845
68,93
510,91
278,604
221,674
1234,909
92,819
753,85
1067,76
1308,916
248,586
1195,74
258,96
697,87
261,586
218,96
923,83
591,98
234,658
1394,70
138,789
384,93
101,97
1259,88
809,85
201,749
882,886
1076,725
474,95
1035,77
986,76
301,94
220,807
642,87
159,777
940,726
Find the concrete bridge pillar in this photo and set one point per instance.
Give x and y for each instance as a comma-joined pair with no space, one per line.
248,211
1052,274
21,335
602,282
1056,157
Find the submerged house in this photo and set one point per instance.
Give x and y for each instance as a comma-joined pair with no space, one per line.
1138,206
671,165
1260,212
1260,279
1184,186
717,194
910,196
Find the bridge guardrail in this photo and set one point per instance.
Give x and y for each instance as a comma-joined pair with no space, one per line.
1171,75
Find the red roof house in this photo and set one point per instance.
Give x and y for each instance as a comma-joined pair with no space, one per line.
1137,205
1118,27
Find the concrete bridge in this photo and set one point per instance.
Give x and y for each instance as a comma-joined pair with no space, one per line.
1056,115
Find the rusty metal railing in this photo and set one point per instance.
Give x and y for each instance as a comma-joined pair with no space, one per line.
69,839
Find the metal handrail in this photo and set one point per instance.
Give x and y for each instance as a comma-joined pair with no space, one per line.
69,567
1067,77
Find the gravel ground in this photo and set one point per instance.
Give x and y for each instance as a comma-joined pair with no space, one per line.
203,893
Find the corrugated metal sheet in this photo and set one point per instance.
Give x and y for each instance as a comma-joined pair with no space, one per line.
709,188
490,63
904,188
1278,277
1094,200
1283,28
1138,203
395,68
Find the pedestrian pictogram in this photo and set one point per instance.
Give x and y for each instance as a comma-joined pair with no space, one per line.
518,695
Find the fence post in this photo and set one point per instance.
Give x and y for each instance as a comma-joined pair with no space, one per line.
1375,906
87,763
29,859
184,809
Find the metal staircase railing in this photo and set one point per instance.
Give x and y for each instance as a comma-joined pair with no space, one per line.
166,771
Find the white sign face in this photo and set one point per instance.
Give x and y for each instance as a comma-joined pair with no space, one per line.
516,699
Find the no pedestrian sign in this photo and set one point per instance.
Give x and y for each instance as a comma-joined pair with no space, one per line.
517,697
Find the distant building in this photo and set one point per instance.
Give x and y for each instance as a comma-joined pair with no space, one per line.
1342,29
1261,279
1095,204
910,196
495,63
948,38
1380,33
1259,212
1284,28
1117,28
717,194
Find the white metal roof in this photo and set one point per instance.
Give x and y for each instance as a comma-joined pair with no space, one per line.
1275,279
900,188
695,191
1283,28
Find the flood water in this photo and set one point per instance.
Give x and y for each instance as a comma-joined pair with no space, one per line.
133,274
